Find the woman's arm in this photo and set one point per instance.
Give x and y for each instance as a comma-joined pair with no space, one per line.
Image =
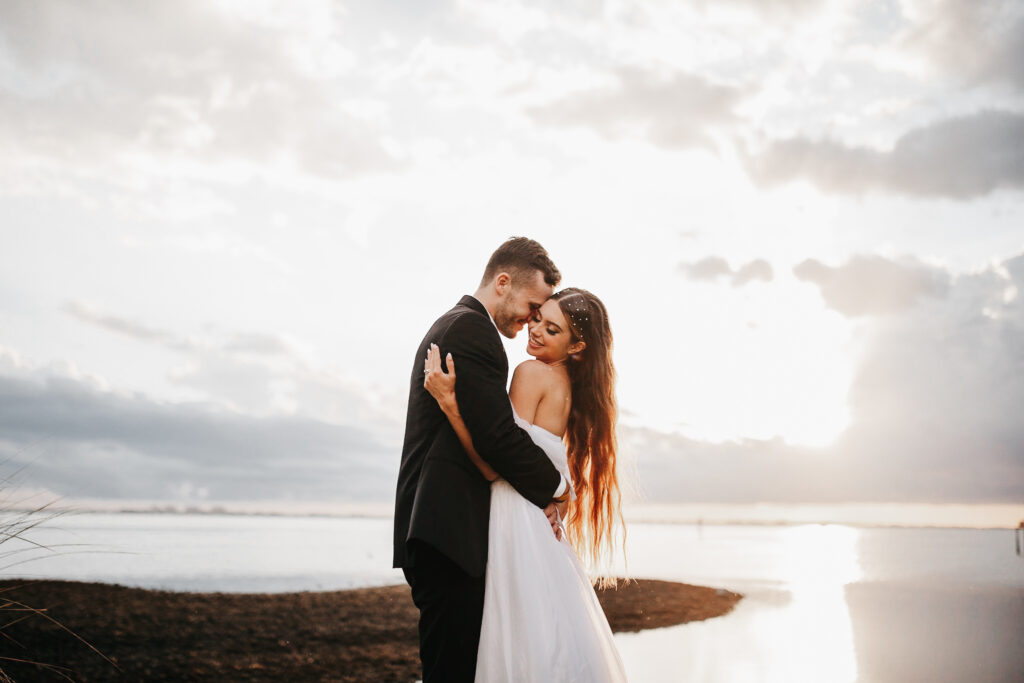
441,386
482,396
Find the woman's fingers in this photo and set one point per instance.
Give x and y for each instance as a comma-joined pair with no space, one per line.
432,364
429,365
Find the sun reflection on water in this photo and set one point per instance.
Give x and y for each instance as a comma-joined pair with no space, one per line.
815,627
793,624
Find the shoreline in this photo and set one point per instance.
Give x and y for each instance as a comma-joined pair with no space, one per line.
350,635
1008,521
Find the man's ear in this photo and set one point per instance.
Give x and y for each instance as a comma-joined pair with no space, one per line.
502,283
577,347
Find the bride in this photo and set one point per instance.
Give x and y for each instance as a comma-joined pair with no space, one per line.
542,620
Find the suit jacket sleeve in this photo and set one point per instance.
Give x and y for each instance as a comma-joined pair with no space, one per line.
486,409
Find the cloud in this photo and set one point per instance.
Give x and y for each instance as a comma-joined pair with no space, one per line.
674,468
130,328
78,439
960,158
939,392
673,110
933,406
244,343
982,42
86,86
711,268
256,343
758,269
256,373
933,417
775,8
1005,62
873,285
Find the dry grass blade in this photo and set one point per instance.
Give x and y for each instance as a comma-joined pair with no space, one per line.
26,521
44,615
21,607
16,523
61,671
70,545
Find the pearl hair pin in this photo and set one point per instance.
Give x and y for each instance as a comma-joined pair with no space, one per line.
578,312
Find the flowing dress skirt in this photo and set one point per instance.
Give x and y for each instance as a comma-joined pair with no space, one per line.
542,621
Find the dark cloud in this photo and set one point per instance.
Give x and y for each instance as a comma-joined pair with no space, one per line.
676,109
711,268
940,389
960,158
87,84
1006,60
80,441
872,285
934,412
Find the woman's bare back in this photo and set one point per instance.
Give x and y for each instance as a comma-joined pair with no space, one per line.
541,395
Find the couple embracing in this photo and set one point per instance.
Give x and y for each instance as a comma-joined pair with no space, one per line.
487,478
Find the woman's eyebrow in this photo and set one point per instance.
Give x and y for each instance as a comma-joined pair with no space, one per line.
555,325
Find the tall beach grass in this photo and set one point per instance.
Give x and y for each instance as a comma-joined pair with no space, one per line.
21,513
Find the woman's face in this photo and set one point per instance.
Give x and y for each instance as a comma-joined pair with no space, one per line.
550,339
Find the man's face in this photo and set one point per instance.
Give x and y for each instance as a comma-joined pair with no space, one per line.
519,302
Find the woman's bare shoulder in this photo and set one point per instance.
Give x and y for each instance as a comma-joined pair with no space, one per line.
544,394
542,379
533,368
539,374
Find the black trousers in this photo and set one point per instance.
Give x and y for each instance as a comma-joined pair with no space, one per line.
451,604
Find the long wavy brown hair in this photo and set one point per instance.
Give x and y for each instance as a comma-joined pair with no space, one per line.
590,434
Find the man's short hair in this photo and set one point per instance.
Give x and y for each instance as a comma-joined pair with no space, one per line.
519,257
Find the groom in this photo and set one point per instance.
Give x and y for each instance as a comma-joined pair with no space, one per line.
443,502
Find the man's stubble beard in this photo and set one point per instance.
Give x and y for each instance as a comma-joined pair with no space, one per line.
506,323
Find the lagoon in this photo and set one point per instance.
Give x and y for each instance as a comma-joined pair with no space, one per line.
824,602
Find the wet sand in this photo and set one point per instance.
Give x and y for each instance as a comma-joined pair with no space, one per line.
358,635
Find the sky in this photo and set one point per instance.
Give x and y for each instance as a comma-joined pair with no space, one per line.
225,227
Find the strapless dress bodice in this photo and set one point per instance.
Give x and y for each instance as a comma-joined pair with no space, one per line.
552,444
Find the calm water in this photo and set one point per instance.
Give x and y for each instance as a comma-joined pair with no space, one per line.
823,603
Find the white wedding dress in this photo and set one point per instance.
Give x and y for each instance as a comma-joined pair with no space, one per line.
542,621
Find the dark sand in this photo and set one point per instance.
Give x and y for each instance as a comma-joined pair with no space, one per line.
358,635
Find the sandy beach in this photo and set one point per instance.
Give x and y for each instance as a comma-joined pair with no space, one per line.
357,635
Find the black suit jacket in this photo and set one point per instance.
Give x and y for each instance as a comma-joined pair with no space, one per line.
442,498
